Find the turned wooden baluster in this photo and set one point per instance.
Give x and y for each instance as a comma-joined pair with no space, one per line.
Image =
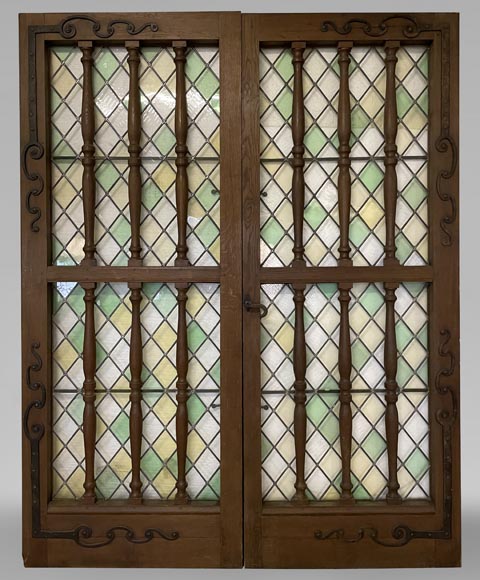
344,197
88,154
136,416
298,201
134,177
89,413
391,413
182,394
344,133
390,149
300,414
298,150
181,150
390,193
181,188
345,371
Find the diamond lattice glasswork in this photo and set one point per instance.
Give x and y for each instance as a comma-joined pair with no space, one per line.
367,89
112,324
367,320
157,95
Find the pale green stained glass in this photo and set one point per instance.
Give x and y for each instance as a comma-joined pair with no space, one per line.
159,230
110,94
367,323
321,222
157,94
112,449
323,458
112,324
321,335
65,100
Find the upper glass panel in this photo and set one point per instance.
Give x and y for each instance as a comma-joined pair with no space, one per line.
321,83
157,97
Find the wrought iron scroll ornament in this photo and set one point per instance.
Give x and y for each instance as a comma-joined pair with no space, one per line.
34,433
411,29
446,417
34,150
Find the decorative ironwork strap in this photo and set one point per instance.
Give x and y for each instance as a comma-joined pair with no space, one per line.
134,177
391,125
391,413
88,154
136,416
181,150
89,412
298,150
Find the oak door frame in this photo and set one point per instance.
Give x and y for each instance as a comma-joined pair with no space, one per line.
374,534
63,533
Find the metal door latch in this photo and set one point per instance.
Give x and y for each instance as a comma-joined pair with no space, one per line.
249,307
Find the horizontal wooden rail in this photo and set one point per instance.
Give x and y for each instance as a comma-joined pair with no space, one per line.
315,275
133,274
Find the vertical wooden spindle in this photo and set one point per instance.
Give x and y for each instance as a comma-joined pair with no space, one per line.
88,154
298,134
182,394
89,413
344,134
344,199
134,177
136,417
345,371
181,150
300,415
391,397
390,149
181,190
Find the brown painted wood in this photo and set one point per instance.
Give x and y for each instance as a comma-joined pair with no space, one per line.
88,154
344,133
136,415
181,150
345,384
312,275
133,274
300,413
391,413
390,129
298,150
134,162
181,418
89,413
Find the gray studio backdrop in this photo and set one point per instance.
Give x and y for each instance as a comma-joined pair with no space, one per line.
10,482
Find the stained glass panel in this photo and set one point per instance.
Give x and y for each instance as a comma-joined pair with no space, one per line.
157,95
323,461
112,324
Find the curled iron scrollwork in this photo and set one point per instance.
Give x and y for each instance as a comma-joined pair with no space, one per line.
444,144
410,30
69,30
35,151
36,430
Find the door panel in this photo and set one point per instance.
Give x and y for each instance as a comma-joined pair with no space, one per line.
132,291
351,431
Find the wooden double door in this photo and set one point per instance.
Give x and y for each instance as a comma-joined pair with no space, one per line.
240,290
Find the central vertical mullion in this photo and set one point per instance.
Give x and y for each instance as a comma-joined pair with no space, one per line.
134,198
390,194
344,199
181,193
298,202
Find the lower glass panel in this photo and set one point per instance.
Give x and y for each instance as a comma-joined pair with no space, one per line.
159,314
369,449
